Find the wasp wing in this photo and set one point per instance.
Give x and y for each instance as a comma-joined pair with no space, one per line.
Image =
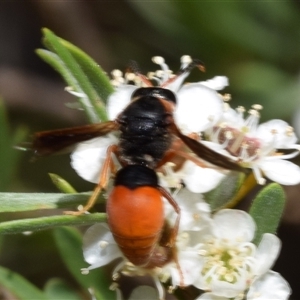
206,153
53,141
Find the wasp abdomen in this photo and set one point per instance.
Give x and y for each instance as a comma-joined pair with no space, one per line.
136,214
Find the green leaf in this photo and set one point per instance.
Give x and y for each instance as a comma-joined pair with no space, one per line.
62,184
96,76
9,157
225,191
57,289
19,286
42,223
54,44
14,202
267,209
69,243
56,63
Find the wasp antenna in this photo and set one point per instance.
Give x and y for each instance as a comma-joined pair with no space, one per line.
133,67
192,64
195,63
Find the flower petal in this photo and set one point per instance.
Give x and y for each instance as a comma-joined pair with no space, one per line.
281,171
118,100
210,296
200,180
270,286
217,83
234,225
279,132
99,246
198,108
88,157
267,252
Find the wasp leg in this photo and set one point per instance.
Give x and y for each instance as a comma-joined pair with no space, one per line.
104,177
174,232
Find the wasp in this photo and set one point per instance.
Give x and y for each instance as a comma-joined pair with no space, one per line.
147,135
148,138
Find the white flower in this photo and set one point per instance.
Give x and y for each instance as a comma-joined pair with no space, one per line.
269,286
256,146
195,212
230,263
88,157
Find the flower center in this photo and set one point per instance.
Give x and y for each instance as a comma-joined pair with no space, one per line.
237,143
224,262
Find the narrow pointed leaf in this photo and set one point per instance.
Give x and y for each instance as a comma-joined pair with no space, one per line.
19,286
57,64
57,289
42,223
96,76
14,202
62,184
53,43
267,209
69,243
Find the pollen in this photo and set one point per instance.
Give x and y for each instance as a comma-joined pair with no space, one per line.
186,59
158,60
257,106
226,97
103,244
289,131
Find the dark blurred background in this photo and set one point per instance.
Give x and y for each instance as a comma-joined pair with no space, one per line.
256,44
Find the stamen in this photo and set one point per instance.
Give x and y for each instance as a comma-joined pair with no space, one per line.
237,143
185,61
161,294
103,244
257,174
158,60
226,97
257,106
130,76
116,73
289,131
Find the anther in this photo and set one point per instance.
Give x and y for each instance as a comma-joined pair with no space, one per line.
130,76
186,59
158,60
103,244
226,97
257,106
116,73
240,109
274,131
289,131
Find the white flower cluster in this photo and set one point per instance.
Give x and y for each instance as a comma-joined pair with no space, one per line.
217,256
201,110
215,251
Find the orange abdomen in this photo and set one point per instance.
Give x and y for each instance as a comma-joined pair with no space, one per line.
136,219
